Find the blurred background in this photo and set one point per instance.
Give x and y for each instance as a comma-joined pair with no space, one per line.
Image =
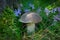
11,11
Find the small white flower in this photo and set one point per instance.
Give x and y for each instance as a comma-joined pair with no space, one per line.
47,11
38,10
21,5
54,10
27,10
58,9
31,5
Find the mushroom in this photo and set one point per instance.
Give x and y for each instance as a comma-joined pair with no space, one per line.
30,18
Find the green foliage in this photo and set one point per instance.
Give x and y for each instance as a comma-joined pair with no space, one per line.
8,28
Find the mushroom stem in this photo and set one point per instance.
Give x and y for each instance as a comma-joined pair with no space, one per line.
30,28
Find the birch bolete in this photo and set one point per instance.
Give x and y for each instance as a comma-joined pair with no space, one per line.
30,18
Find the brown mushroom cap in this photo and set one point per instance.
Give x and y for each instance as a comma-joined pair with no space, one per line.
30,18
